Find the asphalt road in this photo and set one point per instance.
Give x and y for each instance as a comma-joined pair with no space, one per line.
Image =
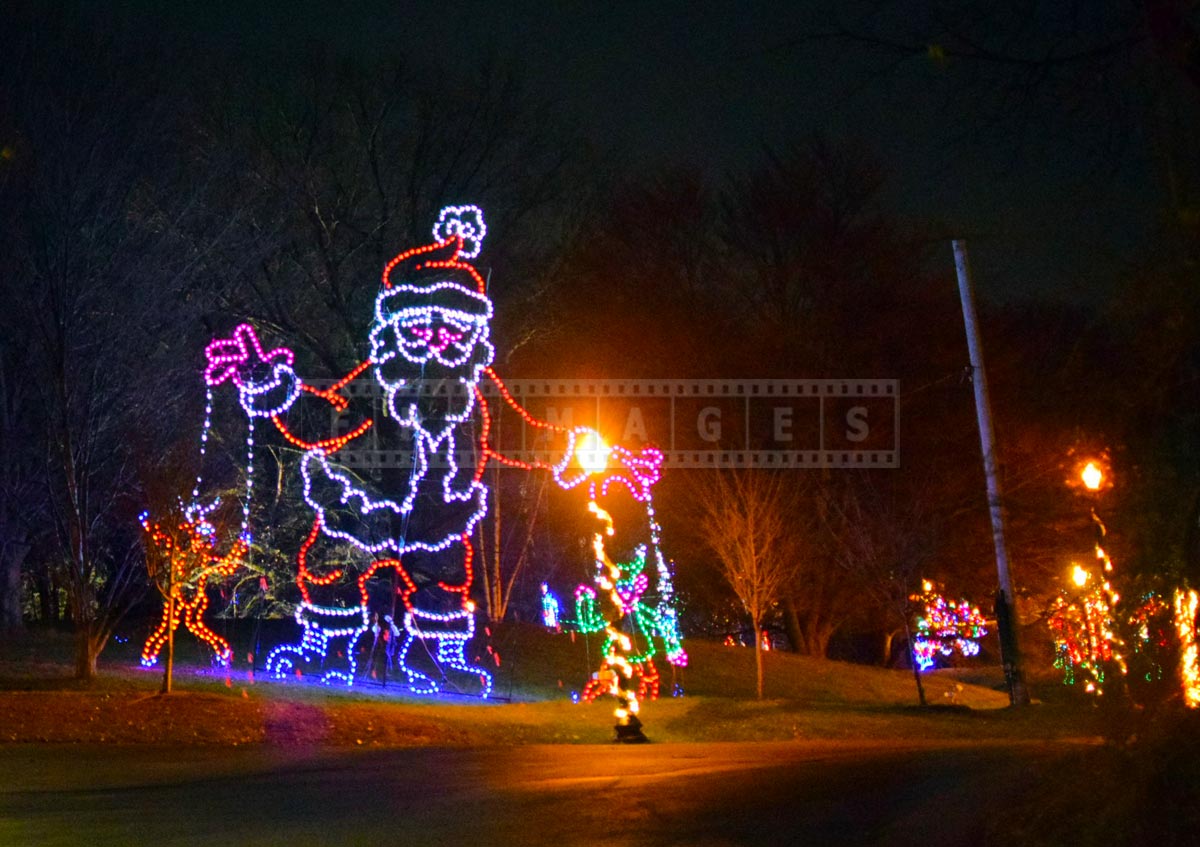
688,794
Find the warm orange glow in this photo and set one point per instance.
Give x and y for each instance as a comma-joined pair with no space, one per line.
1189,654
1092,476
592,452
1080,576
190,558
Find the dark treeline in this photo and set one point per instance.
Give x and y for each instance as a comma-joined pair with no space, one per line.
154,196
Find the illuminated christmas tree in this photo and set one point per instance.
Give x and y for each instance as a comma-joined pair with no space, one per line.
1081,624
944,627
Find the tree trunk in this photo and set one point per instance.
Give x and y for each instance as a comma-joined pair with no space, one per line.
85,655
169,669
791,625
758,659
523,556
47,597
816,637
912,660
889,639
10,586
496,602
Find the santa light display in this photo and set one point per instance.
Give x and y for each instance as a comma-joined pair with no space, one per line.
408,529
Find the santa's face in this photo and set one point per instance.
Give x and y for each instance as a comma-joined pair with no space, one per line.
428,359
436,335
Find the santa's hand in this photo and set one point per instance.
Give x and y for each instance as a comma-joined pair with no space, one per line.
266,392
636,471
590,451
266,383
588,455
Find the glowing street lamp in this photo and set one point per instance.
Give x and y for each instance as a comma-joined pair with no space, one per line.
1092,476
1080,576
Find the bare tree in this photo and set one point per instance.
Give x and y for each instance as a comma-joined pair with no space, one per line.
883,537
1031,70
98,189
21,497
748,518
818,601
22,500
341,165
515,510
812,255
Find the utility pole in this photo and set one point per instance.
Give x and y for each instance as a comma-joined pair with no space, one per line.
1006,618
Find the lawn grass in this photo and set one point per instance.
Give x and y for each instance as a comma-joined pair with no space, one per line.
807,699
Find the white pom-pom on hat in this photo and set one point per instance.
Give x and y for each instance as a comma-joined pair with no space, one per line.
463,221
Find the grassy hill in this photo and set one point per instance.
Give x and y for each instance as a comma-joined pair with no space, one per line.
540,660
807,699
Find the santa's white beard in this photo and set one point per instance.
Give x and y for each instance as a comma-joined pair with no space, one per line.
433,407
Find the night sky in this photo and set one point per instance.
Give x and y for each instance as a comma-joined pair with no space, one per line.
702,83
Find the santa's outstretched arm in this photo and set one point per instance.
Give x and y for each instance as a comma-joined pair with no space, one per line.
332,395
268,386
569,448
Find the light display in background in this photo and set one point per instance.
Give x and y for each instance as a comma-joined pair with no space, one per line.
620,605
1185,608
617,672
1083,622
1082,619
187,558
1083,638
551,609
944,627
1096,636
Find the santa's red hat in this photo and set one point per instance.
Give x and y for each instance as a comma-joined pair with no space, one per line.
440,275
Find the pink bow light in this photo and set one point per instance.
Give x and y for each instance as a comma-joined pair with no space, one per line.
629,593
226,356
638,471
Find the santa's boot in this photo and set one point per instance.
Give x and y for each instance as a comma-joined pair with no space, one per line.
329,638
444,637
